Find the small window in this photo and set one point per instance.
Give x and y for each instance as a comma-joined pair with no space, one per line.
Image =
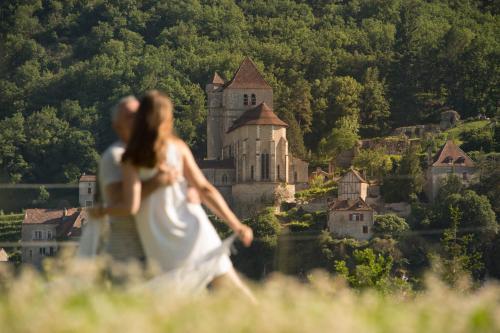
37,235
295,176
448,159
254,99
224,179
361,217
89,190
89,203
31,253
51,251
251,173
278,171
365,229
465,176
460,160
49,235
245,99
42,251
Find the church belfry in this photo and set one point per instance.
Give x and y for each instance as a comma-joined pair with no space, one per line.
247,149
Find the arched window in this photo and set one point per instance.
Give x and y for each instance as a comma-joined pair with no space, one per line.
278,172
254,99
245,99
264,166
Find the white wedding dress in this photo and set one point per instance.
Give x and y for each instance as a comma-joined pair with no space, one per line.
178,236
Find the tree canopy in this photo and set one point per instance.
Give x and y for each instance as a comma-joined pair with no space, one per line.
353,67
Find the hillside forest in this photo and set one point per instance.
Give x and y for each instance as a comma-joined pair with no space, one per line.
340,70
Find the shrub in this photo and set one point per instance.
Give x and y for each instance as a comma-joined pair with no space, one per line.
390,225
297,226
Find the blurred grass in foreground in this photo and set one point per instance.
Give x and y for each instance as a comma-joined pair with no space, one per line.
81,299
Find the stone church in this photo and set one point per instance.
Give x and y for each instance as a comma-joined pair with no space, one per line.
247,149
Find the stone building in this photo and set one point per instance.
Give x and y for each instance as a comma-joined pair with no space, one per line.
86,190
350,215
449,160
247,149
43,229
449,119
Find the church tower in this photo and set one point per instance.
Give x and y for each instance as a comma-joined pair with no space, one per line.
227,101
247,149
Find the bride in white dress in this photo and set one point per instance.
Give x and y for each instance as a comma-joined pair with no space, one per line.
174,232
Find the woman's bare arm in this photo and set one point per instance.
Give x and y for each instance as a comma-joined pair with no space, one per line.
131,195
210,196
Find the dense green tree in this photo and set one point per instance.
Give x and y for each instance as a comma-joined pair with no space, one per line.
477,139
370,270
373,103
374,62
458,259
375,162
390,225
407,180
12,137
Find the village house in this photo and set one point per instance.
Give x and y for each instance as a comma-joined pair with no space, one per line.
350,215
86,190
43,229
449,160
247,149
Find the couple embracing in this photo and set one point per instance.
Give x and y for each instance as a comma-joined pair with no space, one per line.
152,188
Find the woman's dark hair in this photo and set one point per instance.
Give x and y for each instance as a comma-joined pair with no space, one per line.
153,126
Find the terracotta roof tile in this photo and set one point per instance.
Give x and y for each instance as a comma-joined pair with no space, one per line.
217,79
260,115
68,224
88,178
248,77
451,154
350,205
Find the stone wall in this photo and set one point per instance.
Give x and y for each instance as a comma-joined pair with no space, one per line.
339,224
250,198
86,197
299,171
31,253
435,176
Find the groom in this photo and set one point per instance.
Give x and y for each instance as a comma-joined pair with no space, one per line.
124,243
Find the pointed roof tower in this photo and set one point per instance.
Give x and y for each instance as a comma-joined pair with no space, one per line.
217,80
248,77
260,115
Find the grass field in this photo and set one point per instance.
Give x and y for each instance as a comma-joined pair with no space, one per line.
28,304
466,126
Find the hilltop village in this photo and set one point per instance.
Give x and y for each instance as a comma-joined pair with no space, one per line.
367,197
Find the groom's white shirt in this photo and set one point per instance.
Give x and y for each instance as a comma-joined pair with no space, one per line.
124,242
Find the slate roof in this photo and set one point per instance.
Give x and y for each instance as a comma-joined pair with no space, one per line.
451,154
247,77
260,115
350,205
